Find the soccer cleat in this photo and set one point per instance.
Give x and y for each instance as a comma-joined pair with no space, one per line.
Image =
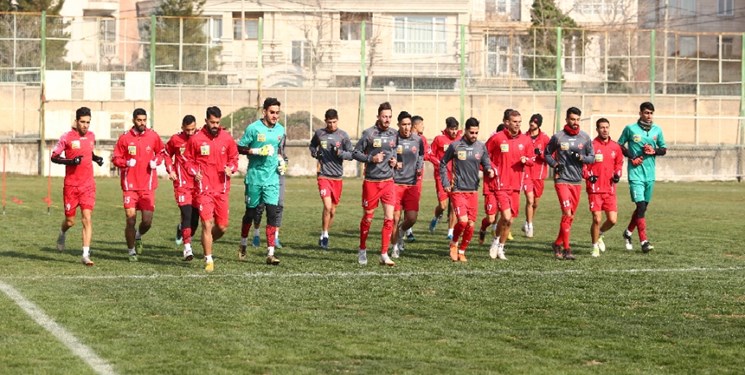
509,236
362,257
133,257
395,253
568,255
277,245
209,266
410,236
529,232
272,260
256,241
500,254
558,254
386,261
138,246
86,261
324,243
453,251
647,247
601,244
433,225
596,250
462,258
188,256
179,235
450,236
494,248
61,242
482,237
241,252
627,239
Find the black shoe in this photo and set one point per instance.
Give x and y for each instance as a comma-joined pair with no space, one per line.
179,235
482,237
557,251
568,255
647,247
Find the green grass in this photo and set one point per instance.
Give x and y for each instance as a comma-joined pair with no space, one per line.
680,309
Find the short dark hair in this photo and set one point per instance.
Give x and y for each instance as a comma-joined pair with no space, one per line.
513,113
507,113
384,106
416,118
646,105
82,111
214,111
451,122
573,111
268,102
500,127
472,122
188,119
331,114
600,121
138,112
403,115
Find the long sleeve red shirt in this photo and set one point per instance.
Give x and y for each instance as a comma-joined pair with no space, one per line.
506,152
175,162
608,161
209,156
143,147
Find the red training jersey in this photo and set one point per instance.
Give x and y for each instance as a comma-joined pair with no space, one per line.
175,162
209,156
437,150
143,147
73,144
608,161
539,169
505,152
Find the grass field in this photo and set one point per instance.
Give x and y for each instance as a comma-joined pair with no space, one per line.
680,309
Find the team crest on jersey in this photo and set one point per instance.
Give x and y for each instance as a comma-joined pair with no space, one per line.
400,149
564,146
504,147
338,144
204,150
613,154
477,156
413,149
222,150
324,144
391,143
75,144
520,147
462,155
279,138
181,150
655,138
637,138
261,137
598,157
580,146
377,142
132,149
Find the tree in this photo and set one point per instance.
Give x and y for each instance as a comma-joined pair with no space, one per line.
27,53
546,17
183,53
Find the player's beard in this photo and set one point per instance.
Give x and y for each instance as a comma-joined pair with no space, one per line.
214,131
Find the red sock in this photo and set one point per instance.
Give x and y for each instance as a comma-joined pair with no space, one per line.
485,224
642,224
186,234
632,223
245,228
566,229
270,232
364,230
467,235
387,231
460,226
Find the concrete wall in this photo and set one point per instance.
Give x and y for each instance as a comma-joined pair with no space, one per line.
682,163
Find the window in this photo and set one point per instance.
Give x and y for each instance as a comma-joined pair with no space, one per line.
419,35
249,30
301,55
682,8
573,55
351,26
502,57
726,47
725,8
598,7
687,46
510,8
213,29
107,29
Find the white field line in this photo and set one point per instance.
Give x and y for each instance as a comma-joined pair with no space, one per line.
393,274
98,364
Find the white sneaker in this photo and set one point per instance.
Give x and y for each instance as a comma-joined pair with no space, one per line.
525,228
386,261
500,254
362,257
601,244
493,250
86,261
596,250
529,232
395,253
627,239
188,255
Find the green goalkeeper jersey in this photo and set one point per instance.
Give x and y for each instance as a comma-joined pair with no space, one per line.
634,138
262,170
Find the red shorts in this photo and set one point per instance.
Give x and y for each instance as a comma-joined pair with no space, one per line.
534,185
508,200
78,196
568,196
602,202
465,204
184,196
214,206
330,188
142,200
441,193
374,191
407,197
490,203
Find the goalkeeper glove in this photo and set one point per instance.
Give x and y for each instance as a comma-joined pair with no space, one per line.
131,162
282,167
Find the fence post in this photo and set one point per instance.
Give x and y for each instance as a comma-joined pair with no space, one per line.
559,53
260,65
462,74
741,168
652,62
42,96
363,78
152,71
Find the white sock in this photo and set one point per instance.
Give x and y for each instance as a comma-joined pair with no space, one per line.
409,232
86,251
494,227
325,234
187,247
208,258
276,234
138,236
270,251
256,232
244,241
450,231
132,251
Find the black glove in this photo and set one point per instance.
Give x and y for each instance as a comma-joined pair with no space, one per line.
616,178
537,151
334,150
593,179
98,160
76,160
576,155
559,168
